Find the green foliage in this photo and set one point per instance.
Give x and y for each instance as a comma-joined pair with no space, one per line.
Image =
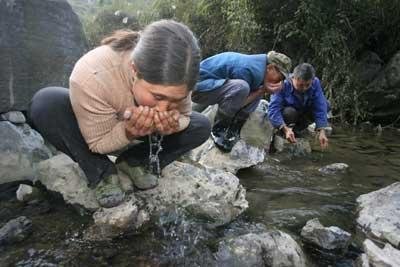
219,25
330,34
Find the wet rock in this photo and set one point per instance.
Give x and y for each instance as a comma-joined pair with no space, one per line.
16,117
112,222
26,193
218,193
300,148
273,248
61,174
377,257
21,148
249,150
379,214
334,168
15,230
258,131
328,238
212,194
242,156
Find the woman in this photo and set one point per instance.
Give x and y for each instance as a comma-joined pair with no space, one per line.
135,86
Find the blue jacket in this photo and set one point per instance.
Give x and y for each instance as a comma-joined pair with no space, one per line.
215,70
314,101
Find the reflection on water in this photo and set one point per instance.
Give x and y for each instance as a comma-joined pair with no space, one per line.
283,193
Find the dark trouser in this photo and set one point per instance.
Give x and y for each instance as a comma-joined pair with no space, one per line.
52,116
298,120
229,97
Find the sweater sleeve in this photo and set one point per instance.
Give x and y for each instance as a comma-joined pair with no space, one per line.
97,119
185,110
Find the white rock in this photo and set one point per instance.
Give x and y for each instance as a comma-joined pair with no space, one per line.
16,117
272,248
377,257
21,148
330,238
61,174
208,193
334,168
26,193
379,214
241,156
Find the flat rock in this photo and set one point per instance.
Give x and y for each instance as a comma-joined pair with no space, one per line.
329,238
21,148
242,156
272,248
61,174
379,214
15,230
334,168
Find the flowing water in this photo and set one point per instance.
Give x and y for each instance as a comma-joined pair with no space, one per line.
283,193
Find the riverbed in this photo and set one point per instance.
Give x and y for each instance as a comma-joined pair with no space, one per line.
283,193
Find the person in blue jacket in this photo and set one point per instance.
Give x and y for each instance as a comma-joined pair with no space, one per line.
298,104
237,82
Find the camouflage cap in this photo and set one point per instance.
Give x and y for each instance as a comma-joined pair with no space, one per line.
281,61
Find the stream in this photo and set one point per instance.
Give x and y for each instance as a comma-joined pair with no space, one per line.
283,193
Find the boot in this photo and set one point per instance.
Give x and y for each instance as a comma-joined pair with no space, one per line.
108,192
218,131
232,134
140,177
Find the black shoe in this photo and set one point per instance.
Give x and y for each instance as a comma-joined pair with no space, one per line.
230,137
220,128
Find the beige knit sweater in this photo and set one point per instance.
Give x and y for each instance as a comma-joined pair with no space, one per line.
100,92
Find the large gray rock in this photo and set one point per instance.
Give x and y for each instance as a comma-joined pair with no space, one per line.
112,222
273,249
40,42
379,214
15,117
15,230
377,257
21,148
242,156
258,131
383,93
61,174
329,238
212,194
249,150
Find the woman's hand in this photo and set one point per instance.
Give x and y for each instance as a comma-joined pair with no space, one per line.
139,121
167,122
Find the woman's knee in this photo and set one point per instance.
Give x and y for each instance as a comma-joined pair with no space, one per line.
46,102
201,127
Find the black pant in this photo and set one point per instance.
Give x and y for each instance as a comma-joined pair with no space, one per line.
300,120
51,114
